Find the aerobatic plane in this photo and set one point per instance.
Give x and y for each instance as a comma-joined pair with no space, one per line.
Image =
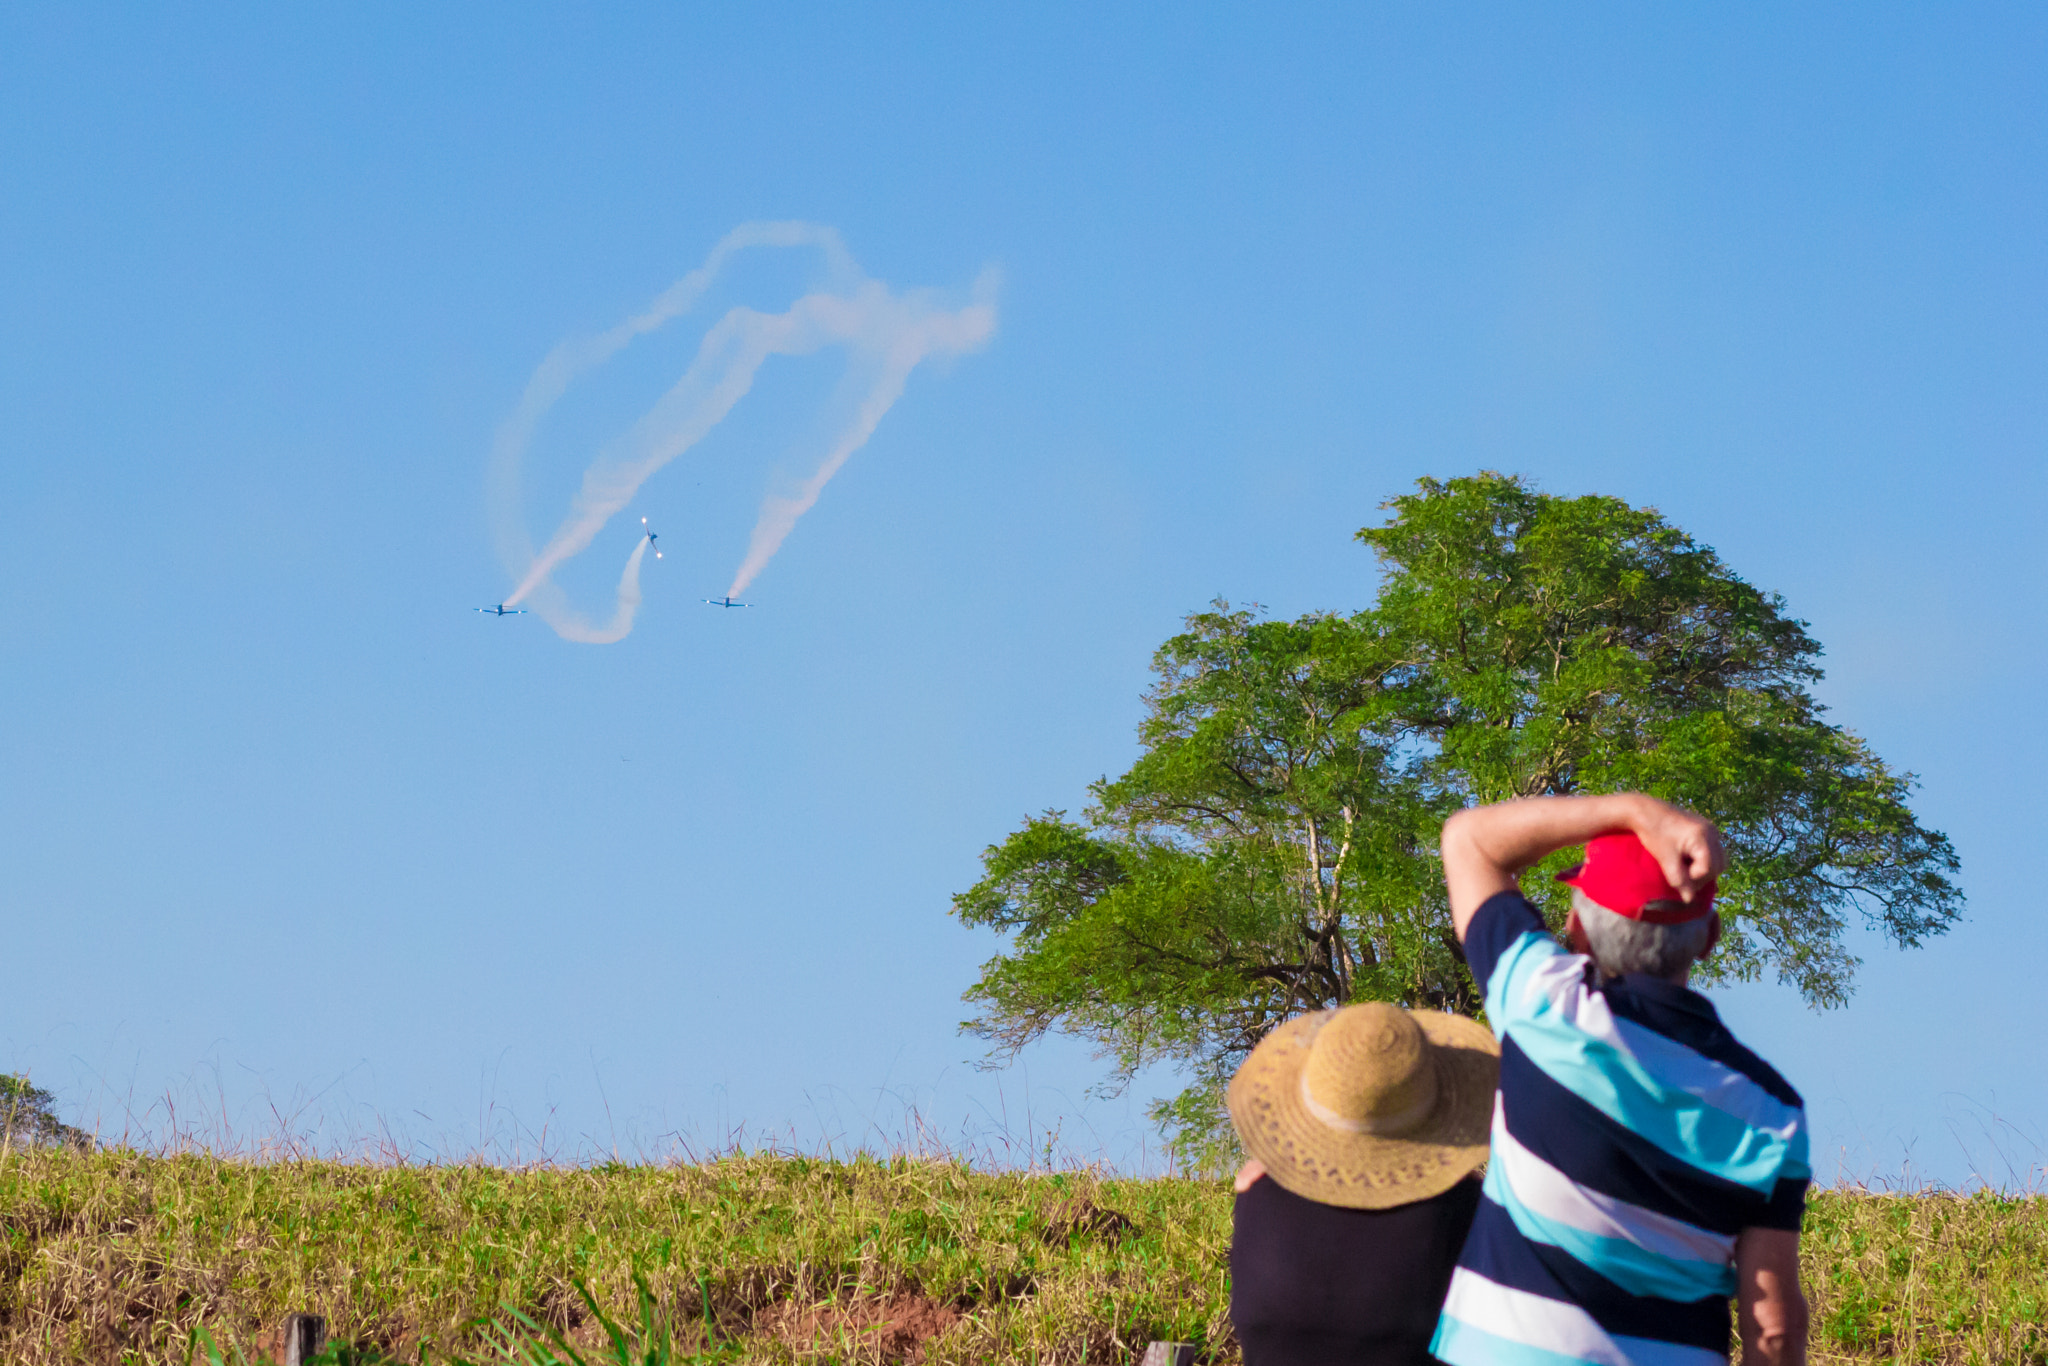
727,602
652,537
501,610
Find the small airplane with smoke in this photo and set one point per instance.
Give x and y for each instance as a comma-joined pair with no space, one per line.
883,333
501,610
727,601
652,537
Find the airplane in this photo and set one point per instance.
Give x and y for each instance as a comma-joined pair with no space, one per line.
727,601
652,537
501,610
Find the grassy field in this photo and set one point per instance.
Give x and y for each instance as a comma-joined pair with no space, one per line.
116,1257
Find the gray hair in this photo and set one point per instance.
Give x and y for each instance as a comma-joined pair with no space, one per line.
1622,945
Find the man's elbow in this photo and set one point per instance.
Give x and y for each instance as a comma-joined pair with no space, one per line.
1457,831
1775,1330
1797,1322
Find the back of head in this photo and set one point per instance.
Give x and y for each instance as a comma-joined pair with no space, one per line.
1620,944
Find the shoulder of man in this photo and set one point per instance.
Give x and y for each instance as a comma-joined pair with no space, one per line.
1497,927
1691,1020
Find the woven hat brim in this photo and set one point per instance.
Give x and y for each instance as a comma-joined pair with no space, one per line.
1367,1171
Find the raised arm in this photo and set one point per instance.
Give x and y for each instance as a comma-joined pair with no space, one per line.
1485,848
1770,1309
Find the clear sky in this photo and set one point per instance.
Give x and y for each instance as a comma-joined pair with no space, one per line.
286,829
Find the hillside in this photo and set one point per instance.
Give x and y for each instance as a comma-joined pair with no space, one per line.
117,1257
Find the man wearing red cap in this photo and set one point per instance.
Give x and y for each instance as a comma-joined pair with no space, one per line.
1645,1167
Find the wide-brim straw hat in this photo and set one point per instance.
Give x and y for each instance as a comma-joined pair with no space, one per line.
1369,1106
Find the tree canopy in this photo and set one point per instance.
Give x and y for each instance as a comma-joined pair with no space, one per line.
1273,849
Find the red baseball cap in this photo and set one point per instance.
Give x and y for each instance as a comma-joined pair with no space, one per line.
1622,876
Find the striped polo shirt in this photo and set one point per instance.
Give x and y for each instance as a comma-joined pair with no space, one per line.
1633,1138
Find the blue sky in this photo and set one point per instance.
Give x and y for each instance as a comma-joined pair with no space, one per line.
289,830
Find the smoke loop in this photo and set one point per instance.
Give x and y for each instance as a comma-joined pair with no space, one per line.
886,335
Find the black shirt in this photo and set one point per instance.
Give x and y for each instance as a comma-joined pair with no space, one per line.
1320,1285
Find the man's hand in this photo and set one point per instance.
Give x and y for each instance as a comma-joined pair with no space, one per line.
1687,847
1485,848
1769,1306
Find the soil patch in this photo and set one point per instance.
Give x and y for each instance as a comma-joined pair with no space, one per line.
1082,1217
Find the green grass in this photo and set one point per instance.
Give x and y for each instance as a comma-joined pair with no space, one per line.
119,1257
1928,1278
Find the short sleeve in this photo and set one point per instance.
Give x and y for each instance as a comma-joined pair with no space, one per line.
1499,923
1786,1207
1508,949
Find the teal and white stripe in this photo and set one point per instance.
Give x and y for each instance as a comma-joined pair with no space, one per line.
1702,1112
1533,1330
1640,1250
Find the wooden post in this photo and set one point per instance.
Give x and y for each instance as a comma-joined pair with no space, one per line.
1169,1354
305,1337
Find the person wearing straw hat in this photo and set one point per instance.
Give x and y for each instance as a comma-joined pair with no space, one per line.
1645,1167
1364,1126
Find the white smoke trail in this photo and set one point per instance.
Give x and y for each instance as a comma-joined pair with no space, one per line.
897,335
570,625
886,336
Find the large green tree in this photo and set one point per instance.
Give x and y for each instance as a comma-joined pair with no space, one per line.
1273,850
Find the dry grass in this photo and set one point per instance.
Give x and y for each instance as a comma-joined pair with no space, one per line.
116,1257
1933,1277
